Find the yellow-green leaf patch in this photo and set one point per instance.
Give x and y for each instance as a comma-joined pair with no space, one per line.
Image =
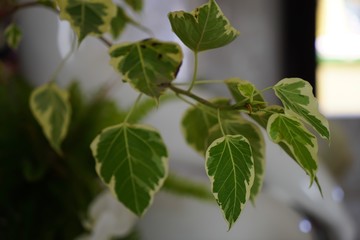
204,28
147,65
132,161
51,108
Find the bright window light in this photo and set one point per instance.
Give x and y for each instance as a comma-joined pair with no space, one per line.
338,50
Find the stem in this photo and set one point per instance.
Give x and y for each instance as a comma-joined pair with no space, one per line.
219,120
132,108
105,41
184,186
195,71
202,82
204,101
63,61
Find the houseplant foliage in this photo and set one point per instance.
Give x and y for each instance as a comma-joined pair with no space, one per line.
131,159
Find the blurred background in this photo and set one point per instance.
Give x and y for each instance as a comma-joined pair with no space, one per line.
315,40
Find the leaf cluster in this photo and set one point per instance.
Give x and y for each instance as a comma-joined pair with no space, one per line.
132,159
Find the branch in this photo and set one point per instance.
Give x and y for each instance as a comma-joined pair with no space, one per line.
206,102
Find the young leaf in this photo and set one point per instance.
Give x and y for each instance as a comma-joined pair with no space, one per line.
245,92
132,161
230,167
51,108
13,36
204,28
147,64
298,99
252,133
196,124
296,140
136,5
262,117
88,17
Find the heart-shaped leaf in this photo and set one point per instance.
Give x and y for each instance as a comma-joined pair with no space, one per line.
204,28
51,108
132,161
298,99
296,140
147,65
230,167
88,17
238,125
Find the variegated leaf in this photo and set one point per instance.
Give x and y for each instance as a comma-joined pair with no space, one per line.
51,108
296,139
147,65
132,161
230,167
204,28
298,99
88,17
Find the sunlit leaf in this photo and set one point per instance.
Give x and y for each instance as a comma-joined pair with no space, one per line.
240,126
301,144
13,36
132,161
204,28
147,65
51,108
298,99
88,17
197,122
230,167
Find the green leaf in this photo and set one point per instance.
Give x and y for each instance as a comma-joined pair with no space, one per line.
239,126
147,65
204,28
298,99
132,161
230,167
88,17
197,122
13,36
245,92
118,23
136,5
51,108
296,140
